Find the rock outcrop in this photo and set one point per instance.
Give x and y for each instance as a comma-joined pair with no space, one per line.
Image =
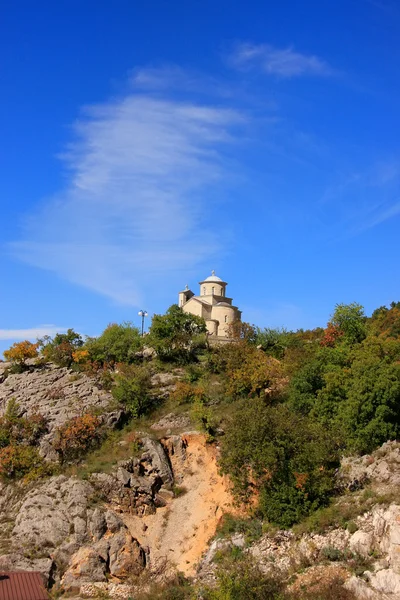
61,532
59,394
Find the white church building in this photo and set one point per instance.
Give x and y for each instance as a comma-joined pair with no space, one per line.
212,304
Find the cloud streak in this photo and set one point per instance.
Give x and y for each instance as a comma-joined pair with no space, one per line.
285,63
31,333
132,211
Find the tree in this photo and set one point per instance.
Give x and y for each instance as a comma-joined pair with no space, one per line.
285,459
256,375
117,344
61,348
176,336
132,389
20,352
350,320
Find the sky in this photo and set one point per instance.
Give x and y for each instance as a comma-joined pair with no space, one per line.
144,144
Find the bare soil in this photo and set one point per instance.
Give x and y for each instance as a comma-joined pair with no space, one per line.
178,534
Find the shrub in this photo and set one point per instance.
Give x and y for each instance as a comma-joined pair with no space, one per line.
20,430
186,392
285,459
117,344
18,461
177,336
132,389
238,578
204,416
20,352
77,436
257,374
61,348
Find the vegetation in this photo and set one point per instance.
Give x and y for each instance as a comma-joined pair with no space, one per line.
77,436
177,336
19,437
61,348
132,389
117,344
20,352
305,398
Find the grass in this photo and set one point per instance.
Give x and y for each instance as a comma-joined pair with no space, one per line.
251,528
104,458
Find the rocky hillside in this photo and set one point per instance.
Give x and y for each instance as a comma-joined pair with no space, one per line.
363,554
157,507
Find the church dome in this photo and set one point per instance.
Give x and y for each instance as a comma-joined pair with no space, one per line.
213,279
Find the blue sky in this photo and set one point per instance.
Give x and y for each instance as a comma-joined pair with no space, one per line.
146,143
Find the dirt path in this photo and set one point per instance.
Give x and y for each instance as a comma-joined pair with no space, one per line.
179,532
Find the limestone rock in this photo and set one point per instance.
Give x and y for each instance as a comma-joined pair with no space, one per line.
361,589
361,542
85,566
158,461
386,581
126,555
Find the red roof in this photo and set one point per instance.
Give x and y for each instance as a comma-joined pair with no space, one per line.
22,585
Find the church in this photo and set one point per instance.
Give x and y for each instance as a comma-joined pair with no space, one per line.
212,304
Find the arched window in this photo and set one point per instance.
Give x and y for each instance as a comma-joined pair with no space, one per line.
213,290
204,290
226,318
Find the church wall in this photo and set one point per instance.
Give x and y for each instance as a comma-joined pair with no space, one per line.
212,328
225,315
194,308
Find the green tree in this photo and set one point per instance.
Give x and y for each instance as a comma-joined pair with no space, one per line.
350,319
60,349
176,336
285,458
117,343
132,389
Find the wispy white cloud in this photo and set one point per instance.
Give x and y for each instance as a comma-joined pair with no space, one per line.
139,174
365,198
282,62
383,212
31,333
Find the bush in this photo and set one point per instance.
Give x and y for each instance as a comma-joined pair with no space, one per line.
77,436
284,459
238,578
61,348
20,430
186,392
177,336
19,461
117,344
132,389
20,352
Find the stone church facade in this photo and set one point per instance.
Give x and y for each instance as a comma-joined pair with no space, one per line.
212,304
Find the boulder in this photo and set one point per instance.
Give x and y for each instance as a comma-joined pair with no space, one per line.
157,460
126,555
362,543
85,566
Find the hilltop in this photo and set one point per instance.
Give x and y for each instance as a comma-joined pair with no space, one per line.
256,469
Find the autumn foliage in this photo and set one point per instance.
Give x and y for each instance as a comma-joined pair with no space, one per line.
18,461
331,334
77,436
21,351
187,392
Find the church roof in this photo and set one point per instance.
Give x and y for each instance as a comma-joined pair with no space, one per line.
212,279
